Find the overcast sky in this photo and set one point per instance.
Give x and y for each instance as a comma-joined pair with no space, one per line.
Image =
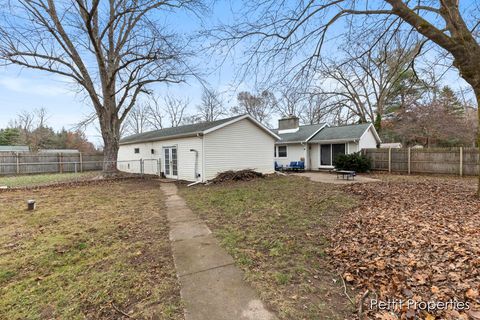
22,89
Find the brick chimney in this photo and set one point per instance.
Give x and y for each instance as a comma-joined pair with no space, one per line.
290,122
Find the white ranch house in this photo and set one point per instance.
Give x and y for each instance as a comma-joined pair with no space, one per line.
198,152
318,144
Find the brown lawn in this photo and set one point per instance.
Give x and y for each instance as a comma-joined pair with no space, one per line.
98,251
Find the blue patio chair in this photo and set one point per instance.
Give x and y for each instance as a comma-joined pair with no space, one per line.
278,167
301,165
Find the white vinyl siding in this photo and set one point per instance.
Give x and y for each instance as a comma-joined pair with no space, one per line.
294,153
186,158
241,145
314,156
352,147
368,140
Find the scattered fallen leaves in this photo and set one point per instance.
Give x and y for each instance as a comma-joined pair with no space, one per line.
413,240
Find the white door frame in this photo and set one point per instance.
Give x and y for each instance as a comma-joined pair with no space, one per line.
169,165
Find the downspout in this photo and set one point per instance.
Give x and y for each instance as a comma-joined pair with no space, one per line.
307,155
203,173
196,163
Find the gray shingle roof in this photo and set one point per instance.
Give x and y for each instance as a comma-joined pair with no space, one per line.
14,149
168,133
349,132
303,133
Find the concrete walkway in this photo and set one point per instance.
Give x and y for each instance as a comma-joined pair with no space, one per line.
212,288
326,177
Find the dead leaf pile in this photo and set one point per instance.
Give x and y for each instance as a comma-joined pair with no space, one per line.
413,240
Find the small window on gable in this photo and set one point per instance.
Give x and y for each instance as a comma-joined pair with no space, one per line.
282,151
136,150
152,151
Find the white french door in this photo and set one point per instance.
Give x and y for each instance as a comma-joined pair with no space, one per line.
170,162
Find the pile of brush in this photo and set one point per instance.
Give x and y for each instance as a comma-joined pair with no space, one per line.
241,175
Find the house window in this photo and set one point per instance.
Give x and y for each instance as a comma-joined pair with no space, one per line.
136,150
275,151
282,151
152,151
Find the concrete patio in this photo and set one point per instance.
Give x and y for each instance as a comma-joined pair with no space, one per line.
327,177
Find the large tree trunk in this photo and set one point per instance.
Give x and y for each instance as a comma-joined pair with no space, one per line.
110,156
477,95
469,66
110,127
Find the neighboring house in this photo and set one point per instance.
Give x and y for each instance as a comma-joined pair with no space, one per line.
14,149
198,152
391,145
318,144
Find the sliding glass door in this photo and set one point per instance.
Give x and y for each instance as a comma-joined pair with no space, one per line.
328,153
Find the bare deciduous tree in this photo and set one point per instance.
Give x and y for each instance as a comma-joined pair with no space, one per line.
366,83
279,30
433,124
113,50
318,109
291,102
138,119
258,106
155,114
176,110
211,107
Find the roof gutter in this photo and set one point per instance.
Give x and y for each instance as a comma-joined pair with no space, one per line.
177,136
289,142
334,140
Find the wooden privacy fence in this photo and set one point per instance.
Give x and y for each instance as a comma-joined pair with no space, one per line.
458,161
26,163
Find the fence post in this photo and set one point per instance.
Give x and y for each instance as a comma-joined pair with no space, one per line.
389,160
141,167
409,160
17,156
80,159
60,162
461,161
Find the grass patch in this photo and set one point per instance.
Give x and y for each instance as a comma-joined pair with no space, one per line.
85,252
43,179
275,230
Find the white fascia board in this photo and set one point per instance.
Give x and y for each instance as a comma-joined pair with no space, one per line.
246,116
172,137
288,130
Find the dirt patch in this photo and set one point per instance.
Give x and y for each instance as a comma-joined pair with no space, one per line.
95,251
413,238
